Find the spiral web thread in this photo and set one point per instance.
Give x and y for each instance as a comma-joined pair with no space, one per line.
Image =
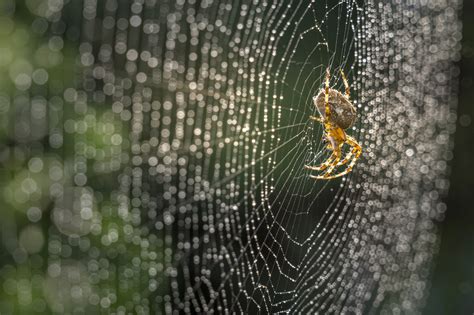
199,202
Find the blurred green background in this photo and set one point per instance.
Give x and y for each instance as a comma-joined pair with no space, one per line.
49,137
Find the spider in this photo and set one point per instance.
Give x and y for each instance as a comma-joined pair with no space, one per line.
337,114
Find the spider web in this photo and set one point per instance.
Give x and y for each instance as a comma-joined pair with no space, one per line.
207,103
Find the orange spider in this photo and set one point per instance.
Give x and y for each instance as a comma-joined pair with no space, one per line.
337,114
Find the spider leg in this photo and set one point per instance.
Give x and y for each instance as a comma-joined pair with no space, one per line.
358,151
324,165
349,155
346,85
327,112
332,165
318,119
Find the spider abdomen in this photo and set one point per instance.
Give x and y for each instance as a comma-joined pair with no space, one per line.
343,113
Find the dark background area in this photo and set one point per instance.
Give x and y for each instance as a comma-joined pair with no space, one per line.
452,290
